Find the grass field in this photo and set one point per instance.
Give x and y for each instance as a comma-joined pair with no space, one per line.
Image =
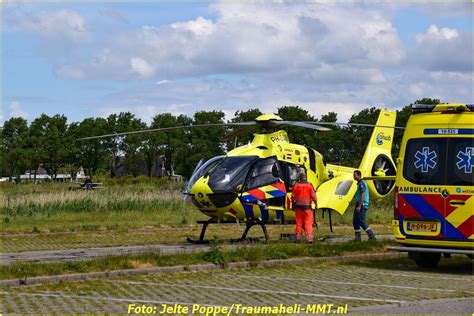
121,206
52,207
12,243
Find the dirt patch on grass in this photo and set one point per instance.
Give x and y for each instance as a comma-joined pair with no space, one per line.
140,265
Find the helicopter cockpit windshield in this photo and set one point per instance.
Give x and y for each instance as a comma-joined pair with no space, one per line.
201,170
230,173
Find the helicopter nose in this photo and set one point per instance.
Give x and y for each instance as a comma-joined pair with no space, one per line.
198,189
199,192
206,198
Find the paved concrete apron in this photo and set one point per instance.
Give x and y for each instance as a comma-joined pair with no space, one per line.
89,253
393,285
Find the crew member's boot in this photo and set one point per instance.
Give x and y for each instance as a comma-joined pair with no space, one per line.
357,236
371,234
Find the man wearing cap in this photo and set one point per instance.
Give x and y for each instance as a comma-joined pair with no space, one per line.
301,196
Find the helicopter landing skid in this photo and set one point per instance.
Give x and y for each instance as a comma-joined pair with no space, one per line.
249,224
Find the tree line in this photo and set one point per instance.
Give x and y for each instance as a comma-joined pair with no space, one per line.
50,142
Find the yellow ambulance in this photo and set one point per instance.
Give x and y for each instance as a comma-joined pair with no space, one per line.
433,194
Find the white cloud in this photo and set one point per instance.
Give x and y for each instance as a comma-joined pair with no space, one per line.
324,57
15,110
435,33
141,67
200,26
60,25
252,38
443,49
418,90
328,74
451,87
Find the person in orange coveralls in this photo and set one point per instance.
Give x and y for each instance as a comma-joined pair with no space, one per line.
302,195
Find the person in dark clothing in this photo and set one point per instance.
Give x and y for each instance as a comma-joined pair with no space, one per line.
88,183
362,205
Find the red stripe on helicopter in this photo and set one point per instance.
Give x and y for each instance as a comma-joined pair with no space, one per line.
257,193
280,186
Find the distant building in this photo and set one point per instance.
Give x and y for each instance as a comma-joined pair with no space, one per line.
39,175
158,169
43,175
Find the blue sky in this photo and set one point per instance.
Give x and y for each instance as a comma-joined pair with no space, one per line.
93,59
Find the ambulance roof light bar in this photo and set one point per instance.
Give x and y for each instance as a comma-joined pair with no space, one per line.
422,108
442,107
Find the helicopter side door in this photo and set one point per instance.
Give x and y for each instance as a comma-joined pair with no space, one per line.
264,187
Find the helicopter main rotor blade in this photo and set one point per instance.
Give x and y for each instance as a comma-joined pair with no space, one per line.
354,124
167,129
301,124
240,131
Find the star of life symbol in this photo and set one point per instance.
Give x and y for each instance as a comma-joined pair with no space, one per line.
465,160
425,159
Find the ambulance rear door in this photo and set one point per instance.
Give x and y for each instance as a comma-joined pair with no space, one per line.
422,195
459,204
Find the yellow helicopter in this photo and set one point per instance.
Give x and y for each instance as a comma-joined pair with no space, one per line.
252,183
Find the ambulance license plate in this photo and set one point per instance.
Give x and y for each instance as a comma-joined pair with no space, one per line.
422,226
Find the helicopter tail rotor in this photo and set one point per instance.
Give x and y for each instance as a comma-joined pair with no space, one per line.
382,172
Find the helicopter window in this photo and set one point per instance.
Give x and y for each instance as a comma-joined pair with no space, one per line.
312,159
265,171
343,187
230,173
289,174
201,169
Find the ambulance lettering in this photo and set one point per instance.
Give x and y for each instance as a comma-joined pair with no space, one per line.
465,160
425,159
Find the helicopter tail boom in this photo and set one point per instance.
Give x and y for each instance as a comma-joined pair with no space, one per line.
377,168
377,163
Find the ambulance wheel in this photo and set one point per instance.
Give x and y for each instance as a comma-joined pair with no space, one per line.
426,259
